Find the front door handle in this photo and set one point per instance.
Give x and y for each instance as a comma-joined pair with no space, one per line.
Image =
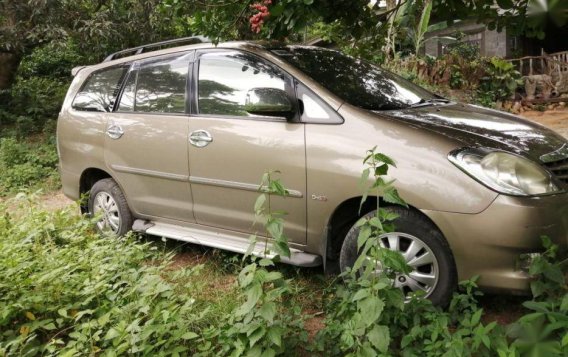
114,131
200,138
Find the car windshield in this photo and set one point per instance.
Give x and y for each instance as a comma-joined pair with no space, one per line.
356,81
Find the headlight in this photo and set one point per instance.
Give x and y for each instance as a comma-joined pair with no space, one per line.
504,172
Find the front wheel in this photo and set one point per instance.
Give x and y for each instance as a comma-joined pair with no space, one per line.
107,201
423,247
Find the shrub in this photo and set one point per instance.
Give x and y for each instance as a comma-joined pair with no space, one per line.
27,164
33,102
488,79
267,323
67,291
39,90
500,81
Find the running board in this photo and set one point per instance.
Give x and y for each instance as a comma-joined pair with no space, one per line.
221,240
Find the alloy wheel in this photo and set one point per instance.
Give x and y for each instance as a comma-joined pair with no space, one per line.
105,206
420,258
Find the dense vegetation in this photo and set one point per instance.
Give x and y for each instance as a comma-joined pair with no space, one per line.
65,290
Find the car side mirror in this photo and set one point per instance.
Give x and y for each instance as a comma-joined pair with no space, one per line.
269,102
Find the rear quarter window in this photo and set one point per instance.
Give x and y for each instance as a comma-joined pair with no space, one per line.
100,90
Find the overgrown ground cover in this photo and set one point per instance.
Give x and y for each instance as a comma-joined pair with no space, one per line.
65,290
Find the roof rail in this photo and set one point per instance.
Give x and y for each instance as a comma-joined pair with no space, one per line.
144,48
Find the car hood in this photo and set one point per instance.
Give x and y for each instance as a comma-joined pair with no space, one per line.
476,126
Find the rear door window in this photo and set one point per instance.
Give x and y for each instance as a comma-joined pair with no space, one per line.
100,90
158,86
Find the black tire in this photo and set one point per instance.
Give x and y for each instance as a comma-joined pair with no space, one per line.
109,188
412,223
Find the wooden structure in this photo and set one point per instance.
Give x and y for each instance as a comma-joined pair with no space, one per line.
543,64
551,69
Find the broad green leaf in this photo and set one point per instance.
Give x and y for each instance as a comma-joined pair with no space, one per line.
364,234
382,170
256,351
364,178
371,309
282,248
476,317
376,222
265,262
384,159
536,306
268,311
253,293
362,293
273,275
391,196
256,335
564,304
189,335
259,204
275,335
555,274
379,337
112,333
275,228
50,326
62,312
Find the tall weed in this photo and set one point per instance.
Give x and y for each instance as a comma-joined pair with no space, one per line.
67,291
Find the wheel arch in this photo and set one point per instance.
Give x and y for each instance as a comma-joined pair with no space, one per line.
345,215
88,178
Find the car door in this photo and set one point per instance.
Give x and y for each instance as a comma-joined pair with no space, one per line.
231,148
146,139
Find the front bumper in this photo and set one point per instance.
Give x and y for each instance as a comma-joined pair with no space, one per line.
489,244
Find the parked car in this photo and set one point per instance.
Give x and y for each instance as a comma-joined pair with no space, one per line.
173,142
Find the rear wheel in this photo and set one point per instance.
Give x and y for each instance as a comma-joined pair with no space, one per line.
423,247
107,201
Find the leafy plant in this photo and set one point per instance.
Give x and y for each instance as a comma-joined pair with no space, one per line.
501,79
64,290
544,331
267,323
422,25
358,323
26,165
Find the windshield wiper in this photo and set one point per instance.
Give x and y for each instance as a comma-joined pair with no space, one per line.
426,102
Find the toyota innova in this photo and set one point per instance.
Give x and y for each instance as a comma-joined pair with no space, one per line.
173,142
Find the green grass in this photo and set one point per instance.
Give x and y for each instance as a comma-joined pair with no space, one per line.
28,165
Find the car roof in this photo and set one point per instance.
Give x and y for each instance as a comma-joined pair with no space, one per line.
147,51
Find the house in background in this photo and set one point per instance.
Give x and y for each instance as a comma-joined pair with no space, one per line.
493,43
490,42
542,63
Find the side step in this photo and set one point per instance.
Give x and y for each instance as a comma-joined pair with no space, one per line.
220,240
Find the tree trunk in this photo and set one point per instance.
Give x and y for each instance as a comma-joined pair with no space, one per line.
9,63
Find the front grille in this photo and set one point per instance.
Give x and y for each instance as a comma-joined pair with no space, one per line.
559,168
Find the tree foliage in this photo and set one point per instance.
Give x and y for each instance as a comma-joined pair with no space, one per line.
94,27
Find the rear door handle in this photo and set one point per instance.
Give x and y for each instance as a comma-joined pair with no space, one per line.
114,131
200,138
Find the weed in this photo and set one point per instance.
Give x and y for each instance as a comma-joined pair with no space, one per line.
27,165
